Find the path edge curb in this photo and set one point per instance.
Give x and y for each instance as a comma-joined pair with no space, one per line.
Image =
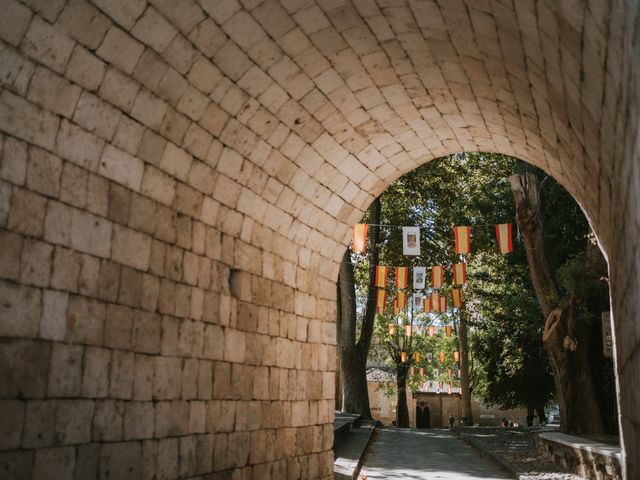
493,457
356,471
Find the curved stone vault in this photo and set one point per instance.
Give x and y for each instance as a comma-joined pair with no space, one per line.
179,179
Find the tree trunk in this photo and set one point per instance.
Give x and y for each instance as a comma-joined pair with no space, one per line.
402,410
568,354
465,391
353,353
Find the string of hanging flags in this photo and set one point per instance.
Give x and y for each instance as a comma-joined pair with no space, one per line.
411,238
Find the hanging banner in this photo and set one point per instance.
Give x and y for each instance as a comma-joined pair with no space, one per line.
432,332
403,357
396,308
417,301
408,331
416,356
381,276
434,300
402,276
459,273
402,299
463,239
419,277
429,357
441,357
456,296
411,240
505,237
359,237
392,328
447,331
443,303
437,276
456,357
426,307
381,300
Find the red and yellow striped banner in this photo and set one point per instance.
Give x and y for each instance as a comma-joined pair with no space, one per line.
437,276
402,299
441,357
402,276
504,235
426,304
456,296
396,307
434,300
459,273
381,276
381,300
359,237
456,357
443,303
463,239
447,330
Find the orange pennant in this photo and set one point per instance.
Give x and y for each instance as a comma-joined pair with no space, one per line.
417,357
402,299
408,330
456,296
432,331
443,303
402,275
381,276
437,276
441,357
359,238
504,235
427,305
463,239
396,308
381,300
456,357
459,273
447,331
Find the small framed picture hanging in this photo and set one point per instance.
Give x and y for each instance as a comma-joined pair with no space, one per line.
411,240
419,277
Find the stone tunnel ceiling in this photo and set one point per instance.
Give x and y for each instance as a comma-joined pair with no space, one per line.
179,179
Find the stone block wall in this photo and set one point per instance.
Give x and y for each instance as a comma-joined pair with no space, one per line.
179,179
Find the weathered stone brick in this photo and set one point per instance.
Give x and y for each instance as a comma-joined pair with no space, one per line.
147,332
20,309
84,22
14,22
121,167
54,463
143,378
180,54
125,12
67,265
97,116
79,146
121,375
131,248
149,109
95,378
167,380
43,172
129,135
73,421
138,420
108,421
85,69
120,49
65,375
119,89
15,70
117,327
27,121
53,92
90,234
121,460
152,29
47,45
12,414
10,255
85,321
13,161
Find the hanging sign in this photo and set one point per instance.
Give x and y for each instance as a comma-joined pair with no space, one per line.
437,276
417,301
402,274
505,237
411,240
456,296
381,276
419,277
463,239
359,237
429,357
459,273
381,299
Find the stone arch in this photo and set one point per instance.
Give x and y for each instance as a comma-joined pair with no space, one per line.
152,150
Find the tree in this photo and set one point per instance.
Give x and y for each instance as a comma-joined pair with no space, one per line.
567,331
354,349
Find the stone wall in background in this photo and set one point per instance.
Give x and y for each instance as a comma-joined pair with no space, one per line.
179,179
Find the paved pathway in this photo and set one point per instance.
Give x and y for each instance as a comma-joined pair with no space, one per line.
397,453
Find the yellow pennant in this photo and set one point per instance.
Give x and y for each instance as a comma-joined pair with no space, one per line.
456,296
463,239
381,299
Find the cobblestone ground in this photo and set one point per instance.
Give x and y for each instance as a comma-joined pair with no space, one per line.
515,448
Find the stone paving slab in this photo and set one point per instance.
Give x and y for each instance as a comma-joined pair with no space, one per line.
514,449
407,454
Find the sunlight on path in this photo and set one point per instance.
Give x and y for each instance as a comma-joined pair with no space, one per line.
422,454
